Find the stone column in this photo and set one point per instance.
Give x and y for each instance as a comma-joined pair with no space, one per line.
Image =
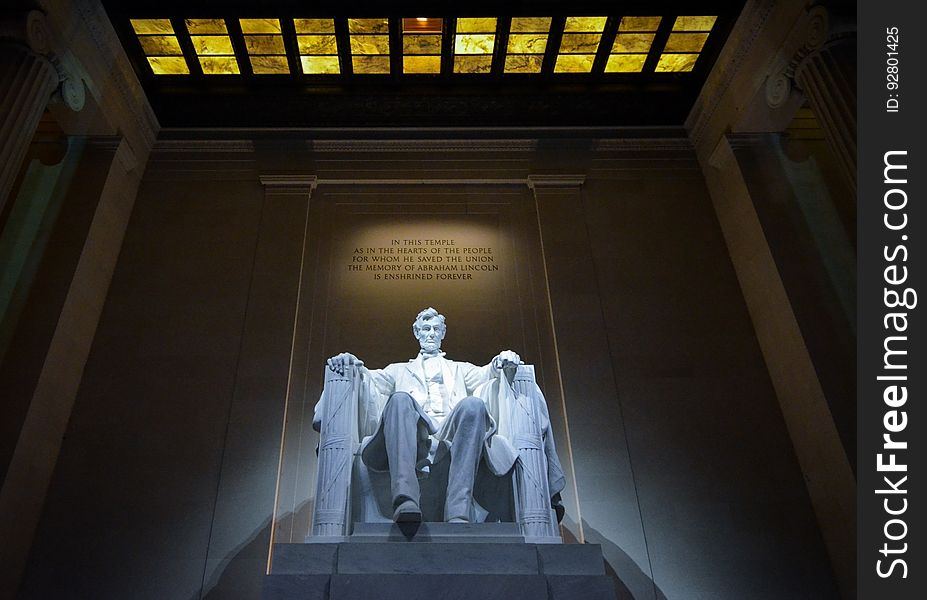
29,74
820,453
828,79
823,69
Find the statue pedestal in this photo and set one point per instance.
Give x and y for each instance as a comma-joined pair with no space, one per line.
485,561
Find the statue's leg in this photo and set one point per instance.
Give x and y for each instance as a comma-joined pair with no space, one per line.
400,432
468,423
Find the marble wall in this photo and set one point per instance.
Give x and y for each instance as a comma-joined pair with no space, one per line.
684,472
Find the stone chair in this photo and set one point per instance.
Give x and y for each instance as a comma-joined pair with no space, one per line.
347,492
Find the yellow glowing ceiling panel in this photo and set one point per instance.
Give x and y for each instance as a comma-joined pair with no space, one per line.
219,65
676,63
470,63
574,63
160,45
694,23
168,65
476,25
260,25
530,24
579,44
364,26
421,64
318,47
591,24
264,43
370,65
632,44
152,26
625,63
320,65
369,45
524,63
421,45
639,23
206,26
685,44
314,25
474,42
527,43
212,46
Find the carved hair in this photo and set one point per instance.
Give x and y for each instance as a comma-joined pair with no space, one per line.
428,313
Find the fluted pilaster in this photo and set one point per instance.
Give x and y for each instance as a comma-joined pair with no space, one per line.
821,65
28,78
828,79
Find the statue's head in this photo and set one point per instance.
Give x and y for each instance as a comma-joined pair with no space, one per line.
429,330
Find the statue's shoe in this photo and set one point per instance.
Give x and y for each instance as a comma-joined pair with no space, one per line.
407,512
458,520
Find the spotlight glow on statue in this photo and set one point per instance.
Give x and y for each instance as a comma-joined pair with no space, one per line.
432,399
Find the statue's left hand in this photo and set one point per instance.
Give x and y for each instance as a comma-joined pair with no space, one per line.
506,358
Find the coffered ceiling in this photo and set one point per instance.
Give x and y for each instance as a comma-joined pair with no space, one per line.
416,64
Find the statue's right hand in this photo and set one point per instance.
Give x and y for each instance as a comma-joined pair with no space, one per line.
342,361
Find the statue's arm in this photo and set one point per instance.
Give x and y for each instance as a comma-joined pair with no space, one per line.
375,385
504,359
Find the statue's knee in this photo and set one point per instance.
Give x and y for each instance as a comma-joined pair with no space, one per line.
472,406
400,401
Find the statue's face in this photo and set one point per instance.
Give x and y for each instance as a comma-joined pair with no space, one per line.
430,333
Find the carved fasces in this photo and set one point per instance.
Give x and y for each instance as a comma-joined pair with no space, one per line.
337,444
532,492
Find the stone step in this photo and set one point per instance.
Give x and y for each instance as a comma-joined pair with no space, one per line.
450,533
445,587
448,558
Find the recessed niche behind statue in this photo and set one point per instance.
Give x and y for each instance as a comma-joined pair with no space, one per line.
385,269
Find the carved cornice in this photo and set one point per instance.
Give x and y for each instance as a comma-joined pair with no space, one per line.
644,144
103,66
204,146
289,184
555,181
752,22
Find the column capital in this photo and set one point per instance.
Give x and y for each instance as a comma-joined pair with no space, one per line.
817,28
31,32
29,29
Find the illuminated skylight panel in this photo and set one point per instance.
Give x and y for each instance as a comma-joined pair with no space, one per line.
474,42
527,43
369,45
580,42
264,42
160,45
213,46
685,44
421,45
318,48
632,44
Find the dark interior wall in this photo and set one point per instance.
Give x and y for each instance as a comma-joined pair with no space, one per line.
723,504
685,474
